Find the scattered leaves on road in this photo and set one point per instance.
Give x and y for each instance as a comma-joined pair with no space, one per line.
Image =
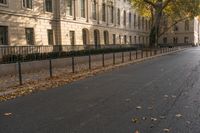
7,114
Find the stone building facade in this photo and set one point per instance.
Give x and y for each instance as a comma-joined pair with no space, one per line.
184,32
76,22
71,22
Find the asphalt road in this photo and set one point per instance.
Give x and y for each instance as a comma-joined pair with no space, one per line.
153,96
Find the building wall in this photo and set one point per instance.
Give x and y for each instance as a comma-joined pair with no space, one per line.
192,34
17,18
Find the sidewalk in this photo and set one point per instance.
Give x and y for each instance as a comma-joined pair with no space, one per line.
35,81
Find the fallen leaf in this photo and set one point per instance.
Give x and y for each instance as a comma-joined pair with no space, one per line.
178,115
128,100
135,120
7,114
153,119
144,118
166,130
166,96
138,107
162,117
137,131
150,108
173,96
151,126
188,122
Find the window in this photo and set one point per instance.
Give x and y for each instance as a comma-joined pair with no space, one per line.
165,40
120,39
72,37
129,19
139,39
3,2
50,37
82,8
130,40
69,7
142,22
135,38
175,40
28,4
29,36
104,12
125,39
3,35
187,25
149,24
186,39
118,16
146,24
175,28
139,22
48,5
111,14
106,37
134,21
114,37
124,18
94,10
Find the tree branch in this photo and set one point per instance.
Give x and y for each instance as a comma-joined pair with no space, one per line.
166,4
150,3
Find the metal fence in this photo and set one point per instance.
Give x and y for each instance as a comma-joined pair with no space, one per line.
89,61
12,54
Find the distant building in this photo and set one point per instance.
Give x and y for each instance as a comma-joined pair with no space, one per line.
184,32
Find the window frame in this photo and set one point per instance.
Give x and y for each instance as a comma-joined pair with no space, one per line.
45,6
6,35
94,10
5,4
49,37
83,8
24,4
33,36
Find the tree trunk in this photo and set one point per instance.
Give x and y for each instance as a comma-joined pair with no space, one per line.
154,32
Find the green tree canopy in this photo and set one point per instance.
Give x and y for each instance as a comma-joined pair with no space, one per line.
158,11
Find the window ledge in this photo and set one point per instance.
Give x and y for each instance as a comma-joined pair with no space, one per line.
4,5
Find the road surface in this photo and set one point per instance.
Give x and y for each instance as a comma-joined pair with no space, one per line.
155,96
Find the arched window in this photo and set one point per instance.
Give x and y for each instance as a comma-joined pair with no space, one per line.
96,38
85,36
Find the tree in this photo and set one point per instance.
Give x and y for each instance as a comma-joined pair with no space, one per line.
172,11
